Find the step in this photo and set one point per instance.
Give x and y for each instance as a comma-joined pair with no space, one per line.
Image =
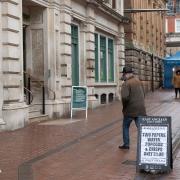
33,113
38,118
34,107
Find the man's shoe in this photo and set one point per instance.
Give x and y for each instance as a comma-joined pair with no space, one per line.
123,147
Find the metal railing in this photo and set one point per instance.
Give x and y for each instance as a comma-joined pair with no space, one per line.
29,79
29,96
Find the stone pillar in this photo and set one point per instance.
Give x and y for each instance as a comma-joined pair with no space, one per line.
1,79
90,55
120,43
15,111
82,39
65,54
53,65
51,34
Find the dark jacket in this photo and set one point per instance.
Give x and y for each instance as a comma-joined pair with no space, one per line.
132,95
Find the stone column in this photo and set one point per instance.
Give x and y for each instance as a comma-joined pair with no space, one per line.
1,79
120,44
53,76
65,54
82,39
90,54
15,111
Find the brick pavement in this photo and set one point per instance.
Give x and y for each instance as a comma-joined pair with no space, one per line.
86,149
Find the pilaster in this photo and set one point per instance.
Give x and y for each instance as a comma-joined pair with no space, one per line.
1,80
90,51
65,51
120,44
14,109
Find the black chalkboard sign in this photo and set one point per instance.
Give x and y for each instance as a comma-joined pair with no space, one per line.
154,149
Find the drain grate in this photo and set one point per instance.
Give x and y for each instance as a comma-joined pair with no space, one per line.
129,162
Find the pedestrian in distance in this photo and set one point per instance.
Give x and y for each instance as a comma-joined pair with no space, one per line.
132,96
176,82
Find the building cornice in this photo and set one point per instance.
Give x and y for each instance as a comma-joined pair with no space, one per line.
99,4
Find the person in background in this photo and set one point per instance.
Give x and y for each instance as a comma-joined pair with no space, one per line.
176,82
132,95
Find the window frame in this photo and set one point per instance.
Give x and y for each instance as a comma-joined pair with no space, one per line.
107,38
79,55
177,19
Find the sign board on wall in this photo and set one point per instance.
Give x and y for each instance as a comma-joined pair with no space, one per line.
154,150
79,99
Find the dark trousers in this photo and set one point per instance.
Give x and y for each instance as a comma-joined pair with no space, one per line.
126,124
176,91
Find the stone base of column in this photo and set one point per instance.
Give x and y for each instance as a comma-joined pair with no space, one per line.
15,116
58,108
93,102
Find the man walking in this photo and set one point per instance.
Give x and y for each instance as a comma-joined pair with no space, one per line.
132,95
176,82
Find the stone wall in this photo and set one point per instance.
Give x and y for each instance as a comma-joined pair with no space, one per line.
14,109
48,53
147,67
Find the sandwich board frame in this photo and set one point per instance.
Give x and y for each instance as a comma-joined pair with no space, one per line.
154,148
79,99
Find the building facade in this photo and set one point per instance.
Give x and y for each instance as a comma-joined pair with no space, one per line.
173,27
47,46
145,40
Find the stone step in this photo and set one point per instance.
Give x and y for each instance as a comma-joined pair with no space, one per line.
33,113
38,118
34,107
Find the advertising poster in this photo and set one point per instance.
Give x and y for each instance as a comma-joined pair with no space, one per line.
154,149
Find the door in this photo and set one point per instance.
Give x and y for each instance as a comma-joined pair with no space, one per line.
75,55
24,56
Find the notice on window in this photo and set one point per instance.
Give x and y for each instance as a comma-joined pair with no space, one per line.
154,145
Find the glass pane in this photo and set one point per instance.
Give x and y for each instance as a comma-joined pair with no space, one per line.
177,25
103,59
75,55
110,60
96,59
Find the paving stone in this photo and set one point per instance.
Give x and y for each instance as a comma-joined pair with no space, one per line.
84,149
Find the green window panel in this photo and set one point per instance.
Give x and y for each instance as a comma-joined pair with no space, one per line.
110,60
103,74
96,59
75,55
104,59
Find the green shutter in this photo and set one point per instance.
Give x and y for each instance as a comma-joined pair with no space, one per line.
103,74
96,59
75,55
110,60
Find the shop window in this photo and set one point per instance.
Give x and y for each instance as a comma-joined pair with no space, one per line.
110,60
104,59
177,6
177,25
75,55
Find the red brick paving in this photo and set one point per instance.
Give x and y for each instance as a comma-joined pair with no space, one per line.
91,156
